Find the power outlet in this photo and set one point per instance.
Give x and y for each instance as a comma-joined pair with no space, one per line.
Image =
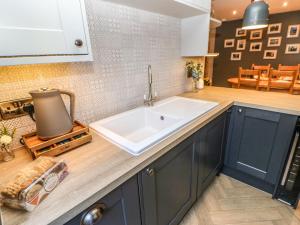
14,108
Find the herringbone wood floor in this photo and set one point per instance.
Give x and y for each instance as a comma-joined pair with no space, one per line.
230,202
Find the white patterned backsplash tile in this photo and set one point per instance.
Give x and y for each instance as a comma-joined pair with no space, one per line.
124,41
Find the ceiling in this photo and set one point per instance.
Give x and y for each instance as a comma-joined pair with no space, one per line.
224,9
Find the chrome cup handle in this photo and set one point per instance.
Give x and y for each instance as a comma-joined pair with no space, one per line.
94,215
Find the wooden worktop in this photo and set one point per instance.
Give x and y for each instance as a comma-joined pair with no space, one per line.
99,167
274,101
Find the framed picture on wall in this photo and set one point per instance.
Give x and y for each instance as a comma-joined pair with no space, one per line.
293,31
270,54
240,32
241,44
292,49
274,28
255,47
256,34
229,43
274,41
236,56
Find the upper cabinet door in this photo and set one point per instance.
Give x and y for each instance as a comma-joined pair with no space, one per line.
35,27
197,43
42,28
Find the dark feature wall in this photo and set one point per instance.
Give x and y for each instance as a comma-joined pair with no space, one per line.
225,68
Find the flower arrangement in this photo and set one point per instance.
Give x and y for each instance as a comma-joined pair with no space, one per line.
195,70
6,139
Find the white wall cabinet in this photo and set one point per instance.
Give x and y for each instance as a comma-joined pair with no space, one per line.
195,35
195,20
35,31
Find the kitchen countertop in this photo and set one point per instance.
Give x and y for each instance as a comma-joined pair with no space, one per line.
99,167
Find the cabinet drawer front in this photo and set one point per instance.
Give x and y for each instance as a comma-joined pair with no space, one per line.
170,190
121,207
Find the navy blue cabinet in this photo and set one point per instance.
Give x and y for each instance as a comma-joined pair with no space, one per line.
168,186
163,192
120,207
258,144
210,143
256,141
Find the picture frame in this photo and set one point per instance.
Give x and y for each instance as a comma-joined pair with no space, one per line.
274,28
240,32
255,47
236,56
229,43
270,54
241,44
274,41
292,49
256,34
293,31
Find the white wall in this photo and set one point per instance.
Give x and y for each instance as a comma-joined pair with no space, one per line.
124,42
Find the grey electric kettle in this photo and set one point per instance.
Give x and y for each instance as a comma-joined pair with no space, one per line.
50,113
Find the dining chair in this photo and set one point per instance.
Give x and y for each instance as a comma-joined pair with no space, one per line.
263,68
288,68
263,77
248,77
296,84
281,79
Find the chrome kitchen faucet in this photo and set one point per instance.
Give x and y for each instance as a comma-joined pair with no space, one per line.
149,100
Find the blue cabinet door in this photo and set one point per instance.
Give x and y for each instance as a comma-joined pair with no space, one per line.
259,142
120,207
210,142
168,186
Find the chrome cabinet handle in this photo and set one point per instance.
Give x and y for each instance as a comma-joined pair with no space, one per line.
78,42
150,171
240,110
94,215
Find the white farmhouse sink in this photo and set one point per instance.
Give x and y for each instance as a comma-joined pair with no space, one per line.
137,130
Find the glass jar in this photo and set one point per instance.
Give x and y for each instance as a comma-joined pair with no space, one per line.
7,153
195,85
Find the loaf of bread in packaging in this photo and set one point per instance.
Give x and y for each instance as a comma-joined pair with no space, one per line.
33,183
26,176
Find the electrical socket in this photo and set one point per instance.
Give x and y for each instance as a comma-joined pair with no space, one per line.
14,108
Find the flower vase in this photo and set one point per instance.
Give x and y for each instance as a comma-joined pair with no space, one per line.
7,153
200,84
195,85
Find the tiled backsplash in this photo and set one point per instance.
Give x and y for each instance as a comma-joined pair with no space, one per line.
124,42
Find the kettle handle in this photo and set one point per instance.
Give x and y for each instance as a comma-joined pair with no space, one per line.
72,102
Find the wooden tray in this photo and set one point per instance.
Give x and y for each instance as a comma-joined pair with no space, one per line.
53,147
